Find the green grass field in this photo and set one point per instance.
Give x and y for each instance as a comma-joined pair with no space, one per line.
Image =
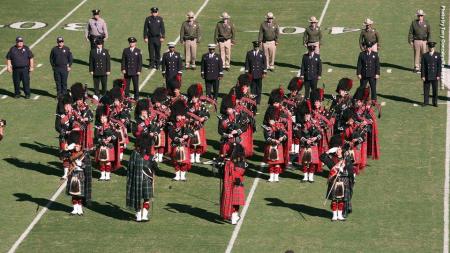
398,200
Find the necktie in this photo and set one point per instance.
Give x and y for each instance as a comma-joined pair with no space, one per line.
171,54
98,51
254,53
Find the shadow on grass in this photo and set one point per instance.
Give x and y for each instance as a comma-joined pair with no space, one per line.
399,99
39,167
41,148
110,210
194,211
42,202
309,210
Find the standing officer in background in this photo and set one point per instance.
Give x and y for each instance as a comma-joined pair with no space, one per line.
268,35
171,64
431,73
61,60
20,62
96,29
190,36
310,69
368,69
224,35
369,34
100,66
212,71
154,34
132,67
313,35
419,34
256,66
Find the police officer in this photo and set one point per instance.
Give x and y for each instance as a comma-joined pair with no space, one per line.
256,66
431,73
268,36
369,34
154,34
419,34
171,64
368,69
310,69
224,35
190,36
20,62
61,61
312,34
100,66
96,28
132,66
212,71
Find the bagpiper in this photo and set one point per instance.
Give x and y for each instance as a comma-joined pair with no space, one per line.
198,114
160,100
84,114
292,103
231,125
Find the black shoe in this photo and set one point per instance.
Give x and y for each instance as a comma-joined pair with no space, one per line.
27,96
424,104
227,69
435,105
17,96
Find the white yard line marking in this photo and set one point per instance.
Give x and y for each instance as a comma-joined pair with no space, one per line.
330,70
389,70
39,65
4,96
255,182
152,72
36,97
415,105
37,218
242,69
447,164
383,103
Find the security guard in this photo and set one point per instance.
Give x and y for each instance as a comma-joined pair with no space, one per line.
212,71
368,69
311,69
100,66
313,35
431,73
96,29
61,61
132,66
256,66
268,36
20,62
171,64
224,35
154,34
419,34
369,34
190,36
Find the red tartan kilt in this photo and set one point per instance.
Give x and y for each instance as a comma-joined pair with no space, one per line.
161,142
314,155
62,145
169,145
280,155
238,198
88,137
110,155
203,145
363,154
247,141
357,156
225,148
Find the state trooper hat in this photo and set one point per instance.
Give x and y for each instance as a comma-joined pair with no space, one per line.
132,40
59,39
96,12
154,9
19,39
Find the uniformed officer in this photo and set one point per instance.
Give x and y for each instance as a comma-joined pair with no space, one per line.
100,66
224,35
368,69
61,61
154,34
212,71
132,66
310,69
431,73
268,36
313,35
190,36
171,64
96,29
419,34
256,66
20,62
369,34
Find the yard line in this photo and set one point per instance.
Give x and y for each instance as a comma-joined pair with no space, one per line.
39,65
447,165
36,97
152,72
37,218
53,28
323,12
4,96
330,70
389,70
241,69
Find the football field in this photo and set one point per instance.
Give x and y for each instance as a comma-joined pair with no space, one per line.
398,201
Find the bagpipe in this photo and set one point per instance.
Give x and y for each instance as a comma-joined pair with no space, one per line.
275,134
210,101
239,123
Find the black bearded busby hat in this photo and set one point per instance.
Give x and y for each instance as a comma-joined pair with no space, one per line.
336,141
228,101
178,108
276,96
173,84
296,83
195,90
243,79
116,93
78,92
344,84
142,105
238,152
305,108
160,95
317,95
121,83
361,94
102,110
347,115
66,99
272,113
106,99
74,137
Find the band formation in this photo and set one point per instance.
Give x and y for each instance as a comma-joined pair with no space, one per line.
303,128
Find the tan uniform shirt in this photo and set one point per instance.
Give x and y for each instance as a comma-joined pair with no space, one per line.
268,31
224,32
96,27
190,31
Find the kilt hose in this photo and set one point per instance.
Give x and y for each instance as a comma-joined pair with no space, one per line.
139,186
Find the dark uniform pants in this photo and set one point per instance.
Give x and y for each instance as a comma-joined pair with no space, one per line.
154,51
373,86
103,80
214,84
310,85
21,75
135,79
426,91
256,89
60,76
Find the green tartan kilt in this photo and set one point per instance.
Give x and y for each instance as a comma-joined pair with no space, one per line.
139,186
